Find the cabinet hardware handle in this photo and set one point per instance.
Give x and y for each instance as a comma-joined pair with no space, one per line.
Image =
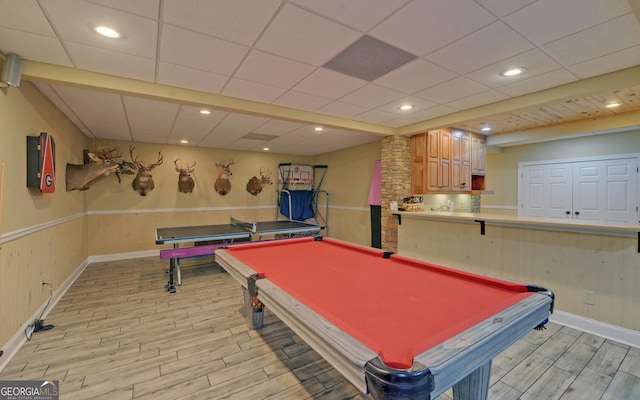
577,213
567,212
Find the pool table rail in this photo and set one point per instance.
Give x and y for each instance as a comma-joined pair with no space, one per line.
465,354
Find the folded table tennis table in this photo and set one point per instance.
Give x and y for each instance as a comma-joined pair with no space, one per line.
235,230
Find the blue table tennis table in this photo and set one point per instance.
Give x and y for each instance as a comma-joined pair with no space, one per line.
234,231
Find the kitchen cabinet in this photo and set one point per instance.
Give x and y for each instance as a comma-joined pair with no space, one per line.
460,161
418,152
439,160
478,154
447,161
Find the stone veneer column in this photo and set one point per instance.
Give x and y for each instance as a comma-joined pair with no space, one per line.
396,184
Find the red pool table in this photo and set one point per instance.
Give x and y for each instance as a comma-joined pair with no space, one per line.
393,326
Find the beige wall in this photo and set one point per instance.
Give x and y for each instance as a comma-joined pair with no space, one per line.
347,181
44,235
502,167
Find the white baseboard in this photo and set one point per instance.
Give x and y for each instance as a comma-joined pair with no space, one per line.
608,331
124,256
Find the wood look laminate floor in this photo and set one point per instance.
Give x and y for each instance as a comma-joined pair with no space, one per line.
119,335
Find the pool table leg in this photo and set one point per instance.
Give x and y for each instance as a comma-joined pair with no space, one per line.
254,318
474,386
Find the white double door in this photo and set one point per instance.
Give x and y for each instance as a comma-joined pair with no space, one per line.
598,190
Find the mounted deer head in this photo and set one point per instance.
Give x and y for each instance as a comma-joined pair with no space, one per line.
255,185
107,152
185,181
222,184
81,177
143,182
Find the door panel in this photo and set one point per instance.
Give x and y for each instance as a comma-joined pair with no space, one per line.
601,190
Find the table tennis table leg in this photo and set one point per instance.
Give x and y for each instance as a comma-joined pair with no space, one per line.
179,273
170,286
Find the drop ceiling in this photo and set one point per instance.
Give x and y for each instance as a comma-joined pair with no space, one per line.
264,68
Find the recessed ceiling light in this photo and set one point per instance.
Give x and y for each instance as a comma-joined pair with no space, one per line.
613,104
205,112
512,72
406,107
318,128
107,32
184,141
265,148
485,129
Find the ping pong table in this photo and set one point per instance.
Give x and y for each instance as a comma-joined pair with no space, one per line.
235,230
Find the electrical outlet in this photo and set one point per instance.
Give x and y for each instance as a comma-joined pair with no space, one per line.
589,297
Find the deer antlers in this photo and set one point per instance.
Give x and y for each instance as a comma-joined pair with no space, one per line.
139,164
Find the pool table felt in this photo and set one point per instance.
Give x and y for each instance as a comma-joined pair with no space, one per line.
398,307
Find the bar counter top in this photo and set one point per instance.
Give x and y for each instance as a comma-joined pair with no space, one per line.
556,224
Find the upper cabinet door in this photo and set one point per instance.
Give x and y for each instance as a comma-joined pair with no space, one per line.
478,155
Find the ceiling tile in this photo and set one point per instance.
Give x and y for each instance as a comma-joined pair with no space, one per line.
272,70
417,104
401,121
611,62
415,76
503,8
179,76
479,99
423,26
375,116
48,91
548,20
340,109
483,47
192,126
301,101
539,82
277,127
146,8
238,125
25,16
148,118
236,21
433,112
101,112
112,63
360,14
73,20
33,47
603,39
252,91
195,50
302,36
372,96
329,84
535,61
452,90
